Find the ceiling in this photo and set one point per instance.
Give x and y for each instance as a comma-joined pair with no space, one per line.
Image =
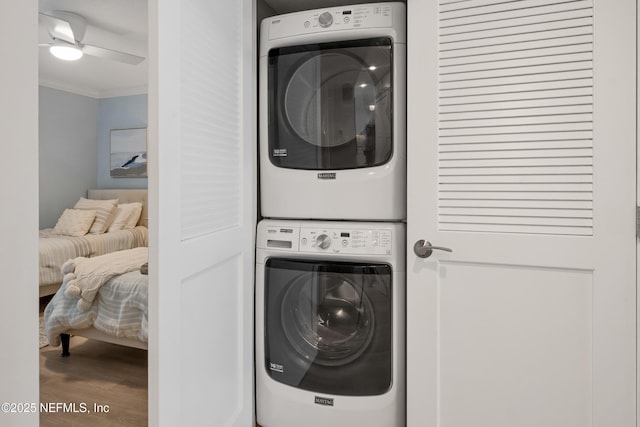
113,24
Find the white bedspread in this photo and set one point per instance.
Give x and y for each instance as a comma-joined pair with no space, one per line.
119,309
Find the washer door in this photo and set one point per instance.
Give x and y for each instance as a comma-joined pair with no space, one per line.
327,318
328,326
330,105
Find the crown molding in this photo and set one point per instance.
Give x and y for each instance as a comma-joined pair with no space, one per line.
112,93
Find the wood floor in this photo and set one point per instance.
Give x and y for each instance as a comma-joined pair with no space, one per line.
110,376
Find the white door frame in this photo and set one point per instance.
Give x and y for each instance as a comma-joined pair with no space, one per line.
19,227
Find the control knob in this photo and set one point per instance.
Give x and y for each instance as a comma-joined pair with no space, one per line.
323,241
325,19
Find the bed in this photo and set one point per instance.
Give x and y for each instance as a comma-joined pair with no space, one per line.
117,310
117,313
56,248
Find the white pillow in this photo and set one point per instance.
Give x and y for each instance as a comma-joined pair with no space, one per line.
104,212
133,219
126,216
74,222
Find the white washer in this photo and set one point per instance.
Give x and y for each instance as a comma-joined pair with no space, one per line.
333,113
330,324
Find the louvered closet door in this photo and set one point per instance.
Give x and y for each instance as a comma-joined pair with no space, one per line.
202,190
521,148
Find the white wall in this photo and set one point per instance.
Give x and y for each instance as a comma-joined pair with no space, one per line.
68,151
18,228
74,146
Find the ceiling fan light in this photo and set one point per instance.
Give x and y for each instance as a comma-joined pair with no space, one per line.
65,52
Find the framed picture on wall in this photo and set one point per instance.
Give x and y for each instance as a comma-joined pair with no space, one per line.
128,153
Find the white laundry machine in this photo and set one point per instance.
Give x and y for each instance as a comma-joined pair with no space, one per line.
330,324
333,113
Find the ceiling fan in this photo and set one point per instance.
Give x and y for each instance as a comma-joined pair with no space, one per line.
67,31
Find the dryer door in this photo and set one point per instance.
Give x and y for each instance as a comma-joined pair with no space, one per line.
328,326
330,105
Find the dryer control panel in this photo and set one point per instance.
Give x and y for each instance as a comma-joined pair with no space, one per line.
378,15
343,240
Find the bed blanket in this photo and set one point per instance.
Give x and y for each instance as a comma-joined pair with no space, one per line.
83,277
120,309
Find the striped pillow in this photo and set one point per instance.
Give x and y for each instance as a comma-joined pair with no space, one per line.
105,209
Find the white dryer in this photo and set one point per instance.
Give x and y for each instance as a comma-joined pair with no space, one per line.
333,113
330,324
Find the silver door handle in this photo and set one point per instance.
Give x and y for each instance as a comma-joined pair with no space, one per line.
424,249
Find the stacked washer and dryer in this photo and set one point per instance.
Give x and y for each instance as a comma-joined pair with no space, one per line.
330,253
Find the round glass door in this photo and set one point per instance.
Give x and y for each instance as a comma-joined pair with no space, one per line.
327,319
330,105
330,99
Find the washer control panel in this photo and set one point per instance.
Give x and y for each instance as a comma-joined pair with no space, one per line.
345,240
376,15
318,239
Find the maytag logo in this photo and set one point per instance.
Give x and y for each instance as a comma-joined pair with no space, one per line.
324,401
276,367
327,175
